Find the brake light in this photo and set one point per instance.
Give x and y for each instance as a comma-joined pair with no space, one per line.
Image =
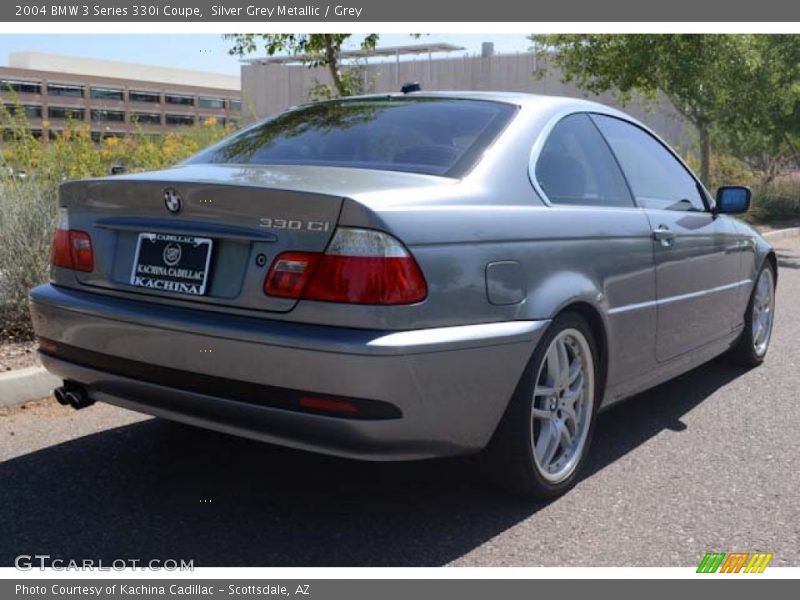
72,249
360,266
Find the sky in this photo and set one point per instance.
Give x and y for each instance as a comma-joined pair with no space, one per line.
207,52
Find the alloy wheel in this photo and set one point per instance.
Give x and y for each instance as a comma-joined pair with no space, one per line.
763,312
562,405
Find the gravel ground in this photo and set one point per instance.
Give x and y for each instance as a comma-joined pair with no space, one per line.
706,462
17,355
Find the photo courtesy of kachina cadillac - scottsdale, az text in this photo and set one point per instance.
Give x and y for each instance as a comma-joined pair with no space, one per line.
508,299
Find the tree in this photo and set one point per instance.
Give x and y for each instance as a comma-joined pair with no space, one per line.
313,50
763,126
711,80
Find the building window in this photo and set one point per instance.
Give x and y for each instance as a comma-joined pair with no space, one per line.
21,87
101,93
102,135
69,91
29,110
179,99
235,104
179,119
151,97
65,112
146,118
210,102
10,135
116,116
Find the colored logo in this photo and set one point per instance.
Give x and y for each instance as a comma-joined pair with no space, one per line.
734,562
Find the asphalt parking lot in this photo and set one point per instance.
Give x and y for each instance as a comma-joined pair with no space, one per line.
706,462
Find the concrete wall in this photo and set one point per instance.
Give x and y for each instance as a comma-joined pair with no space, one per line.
267,89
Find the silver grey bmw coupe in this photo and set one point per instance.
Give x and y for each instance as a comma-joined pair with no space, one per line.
406,276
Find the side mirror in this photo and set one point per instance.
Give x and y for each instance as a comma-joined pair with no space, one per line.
733,199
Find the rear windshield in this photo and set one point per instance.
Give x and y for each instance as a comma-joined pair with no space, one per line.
437,136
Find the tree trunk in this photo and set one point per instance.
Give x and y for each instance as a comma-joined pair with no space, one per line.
792,148
331,57
705,155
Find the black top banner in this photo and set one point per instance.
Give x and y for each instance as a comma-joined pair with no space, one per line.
408,10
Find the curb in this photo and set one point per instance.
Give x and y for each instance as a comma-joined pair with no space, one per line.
782,234
27,384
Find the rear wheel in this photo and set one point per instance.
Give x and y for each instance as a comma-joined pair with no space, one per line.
752,347
543,437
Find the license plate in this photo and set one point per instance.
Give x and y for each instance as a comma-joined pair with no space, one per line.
172,263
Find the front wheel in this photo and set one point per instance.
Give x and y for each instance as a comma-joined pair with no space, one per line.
543,437
752,346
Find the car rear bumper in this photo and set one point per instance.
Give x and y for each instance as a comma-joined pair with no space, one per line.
448,387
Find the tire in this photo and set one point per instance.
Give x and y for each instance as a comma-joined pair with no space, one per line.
753,344
518,456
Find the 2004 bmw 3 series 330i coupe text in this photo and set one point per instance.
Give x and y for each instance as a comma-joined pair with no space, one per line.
406,276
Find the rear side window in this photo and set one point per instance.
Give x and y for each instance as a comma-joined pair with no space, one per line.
657,178
576,166
437,136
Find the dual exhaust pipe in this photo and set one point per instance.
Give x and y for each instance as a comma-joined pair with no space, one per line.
73,394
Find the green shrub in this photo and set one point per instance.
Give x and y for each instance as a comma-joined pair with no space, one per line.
28,213
779,201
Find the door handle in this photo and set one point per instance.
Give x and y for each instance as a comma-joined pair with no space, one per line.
664,235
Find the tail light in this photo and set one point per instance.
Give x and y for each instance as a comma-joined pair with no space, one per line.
360,266
72,249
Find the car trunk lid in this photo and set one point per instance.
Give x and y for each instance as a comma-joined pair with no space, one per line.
221,235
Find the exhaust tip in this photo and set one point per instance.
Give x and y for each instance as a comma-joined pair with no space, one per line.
60,395
73,395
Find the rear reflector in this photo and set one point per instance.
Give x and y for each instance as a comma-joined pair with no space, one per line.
47,345
361,266
71,249
328,405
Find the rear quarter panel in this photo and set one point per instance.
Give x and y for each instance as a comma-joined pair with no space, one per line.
599,257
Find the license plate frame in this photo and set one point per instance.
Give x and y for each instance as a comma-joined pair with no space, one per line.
167,274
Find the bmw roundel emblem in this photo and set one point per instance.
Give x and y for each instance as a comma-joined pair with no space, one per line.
172,200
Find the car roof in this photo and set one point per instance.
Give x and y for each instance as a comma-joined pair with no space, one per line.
519,98
533,102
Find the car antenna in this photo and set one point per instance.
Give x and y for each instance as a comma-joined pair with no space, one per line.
411,86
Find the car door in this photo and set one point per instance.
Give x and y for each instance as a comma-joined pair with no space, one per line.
696,254
593,236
